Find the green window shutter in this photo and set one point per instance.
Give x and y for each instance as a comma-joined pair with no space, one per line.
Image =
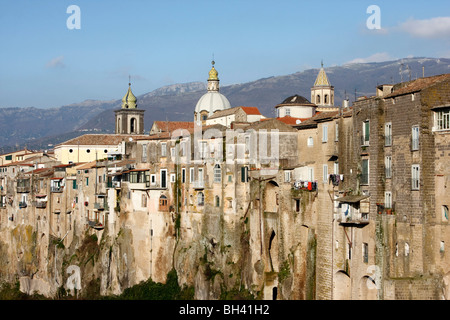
244,174
74,184
367,130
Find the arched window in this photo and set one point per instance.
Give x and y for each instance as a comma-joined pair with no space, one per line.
200,199
217,173
133,125
318,99
163,203
325,100
217,201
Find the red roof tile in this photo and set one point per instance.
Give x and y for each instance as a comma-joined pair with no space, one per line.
251,110
170,126
291,120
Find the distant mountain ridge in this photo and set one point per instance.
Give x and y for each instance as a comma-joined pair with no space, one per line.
39,128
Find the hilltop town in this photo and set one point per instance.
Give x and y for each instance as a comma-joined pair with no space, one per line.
320,202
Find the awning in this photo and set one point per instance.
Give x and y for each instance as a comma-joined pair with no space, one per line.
136,170
333,157
40,195
114,174
351,199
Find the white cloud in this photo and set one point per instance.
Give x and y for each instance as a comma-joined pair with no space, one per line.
438,27
57,62
376,57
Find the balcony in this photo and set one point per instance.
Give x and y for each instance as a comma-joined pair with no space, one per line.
198,185
56,189
23,186
22,204
352,218
113,184
139,185
23,189
364,141
305,185
101,206
351,210
95,224
156,186
41,204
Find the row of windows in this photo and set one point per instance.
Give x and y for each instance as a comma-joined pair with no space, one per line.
442,122
365,250
325,100
415,172
310,140
164,204
415,132
325,134
203,149
200,176
88,151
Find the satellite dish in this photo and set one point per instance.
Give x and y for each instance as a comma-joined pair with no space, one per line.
298,121
130,139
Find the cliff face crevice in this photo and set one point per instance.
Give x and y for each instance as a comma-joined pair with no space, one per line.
263,251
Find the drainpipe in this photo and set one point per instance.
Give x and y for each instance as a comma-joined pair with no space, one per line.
332,245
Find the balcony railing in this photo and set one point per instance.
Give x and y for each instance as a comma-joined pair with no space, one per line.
23,189
101,206
113,184
305,185
352,218
56,189
23,185
95,224
364,141
198,185
41,204
139,185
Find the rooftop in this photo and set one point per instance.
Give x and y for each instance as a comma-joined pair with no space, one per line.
417,85
291,120
100,139
227,112
295,100
170,126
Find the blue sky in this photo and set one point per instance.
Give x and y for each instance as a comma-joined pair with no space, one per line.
45,64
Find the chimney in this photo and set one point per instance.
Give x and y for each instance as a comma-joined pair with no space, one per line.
383,90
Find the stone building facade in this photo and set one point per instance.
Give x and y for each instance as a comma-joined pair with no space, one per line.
351,203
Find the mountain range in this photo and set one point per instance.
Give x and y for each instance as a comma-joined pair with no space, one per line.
36,128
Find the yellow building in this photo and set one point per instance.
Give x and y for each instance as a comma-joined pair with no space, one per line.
91,147
15,156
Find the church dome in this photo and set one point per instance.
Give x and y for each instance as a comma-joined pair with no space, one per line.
129,100
296,100
212,101
213,74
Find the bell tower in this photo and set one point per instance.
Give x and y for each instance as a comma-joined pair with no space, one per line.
129,119
322,93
